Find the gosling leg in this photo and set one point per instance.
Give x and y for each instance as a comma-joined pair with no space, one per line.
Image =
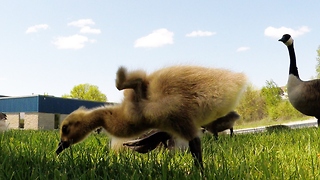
148,143
195,149
215,135
231,132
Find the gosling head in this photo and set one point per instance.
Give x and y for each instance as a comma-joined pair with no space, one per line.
286,39
233,115
71,130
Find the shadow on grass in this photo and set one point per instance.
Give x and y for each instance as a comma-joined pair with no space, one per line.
277,128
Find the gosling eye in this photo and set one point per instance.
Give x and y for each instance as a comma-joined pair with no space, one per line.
65,129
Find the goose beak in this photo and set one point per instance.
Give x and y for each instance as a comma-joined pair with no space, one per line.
282,40
62,146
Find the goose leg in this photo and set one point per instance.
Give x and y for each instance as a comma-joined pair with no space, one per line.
195,149
138,86
135,83
231,132
215,135
130,84
148,143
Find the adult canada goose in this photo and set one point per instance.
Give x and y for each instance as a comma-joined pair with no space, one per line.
303,95
179,100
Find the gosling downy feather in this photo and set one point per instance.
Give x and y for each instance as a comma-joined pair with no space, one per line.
179,100
303,95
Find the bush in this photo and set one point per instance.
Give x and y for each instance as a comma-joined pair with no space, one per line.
252,106
284,111
256,105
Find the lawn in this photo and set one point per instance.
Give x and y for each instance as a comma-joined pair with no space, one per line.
282,154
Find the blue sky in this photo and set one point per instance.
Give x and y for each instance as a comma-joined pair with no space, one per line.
51,46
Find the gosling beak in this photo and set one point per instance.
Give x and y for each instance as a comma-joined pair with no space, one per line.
62,145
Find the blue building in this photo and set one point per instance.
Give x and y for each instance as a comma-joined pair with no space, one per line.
40,112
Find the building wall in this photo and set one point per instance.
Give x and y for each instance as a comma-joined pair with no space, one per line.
34,121
38,112
62,117
13,120
31,121
3,125
46,121
45,104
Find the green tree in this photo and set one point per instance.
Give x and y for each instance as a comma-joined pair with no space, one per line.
318,63
86,92
252,106
278,108
272,93
272,96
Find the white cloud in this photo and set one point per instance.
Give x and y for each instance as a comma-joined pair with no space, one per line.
81,23
36,28
3,79
278,32
84,25
89,30
72,42
157,38
77,41
244,48
200,34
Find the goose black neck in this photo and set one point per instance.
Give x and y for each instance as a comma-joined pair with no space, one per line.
293,64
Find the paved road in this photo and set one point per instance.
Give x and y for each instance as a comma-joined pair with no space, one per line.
293,125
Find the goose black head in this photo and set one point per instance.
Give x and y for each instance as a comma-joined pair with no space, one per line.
286,39
71,130
65,142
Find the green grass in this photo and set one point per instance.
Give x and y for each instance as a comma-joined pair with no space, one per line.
286,154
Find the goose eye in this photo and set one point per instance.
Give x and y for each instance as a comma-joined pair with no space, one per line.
65,129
